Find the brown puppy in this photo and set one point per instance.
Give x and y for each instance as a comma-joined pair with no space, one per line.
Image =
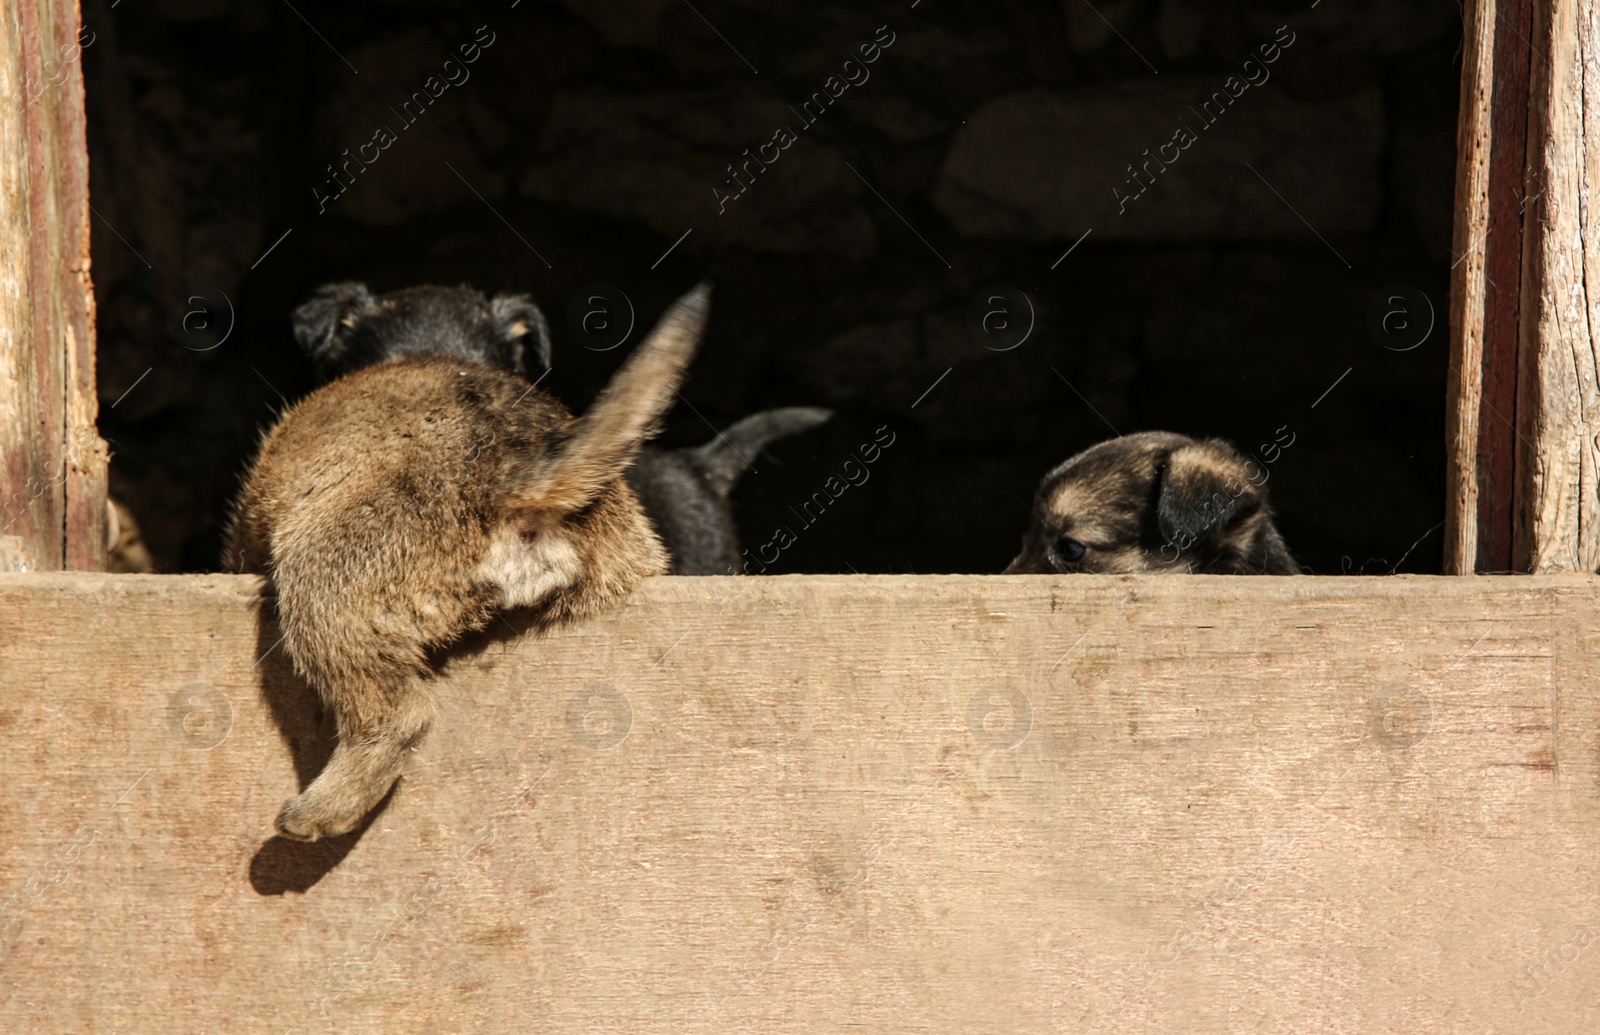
1154,502
399,506
126,553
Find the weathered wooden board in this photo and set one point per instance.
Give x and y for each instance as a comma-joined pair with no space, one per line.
52,461
1558,383
800,804
1485,284
1523,439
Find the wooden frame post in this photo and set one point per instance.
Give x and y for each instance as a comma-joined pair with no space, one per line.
52,461
1523,488
1556,526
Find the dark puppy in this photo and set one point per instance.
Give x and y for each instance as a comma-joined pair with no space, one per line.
685,491
399,506
1154,502
345,327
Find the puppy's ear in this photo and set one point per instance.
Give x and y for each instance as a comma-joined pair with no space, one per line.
605,440
323,324
523,326
1202,491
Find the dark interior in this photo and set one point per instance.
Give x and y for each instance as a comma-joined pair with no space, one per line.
1280,274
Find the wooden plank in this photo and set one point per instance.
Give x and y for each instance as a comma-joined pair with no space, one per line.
1558,511
1484,287
52,462
798,804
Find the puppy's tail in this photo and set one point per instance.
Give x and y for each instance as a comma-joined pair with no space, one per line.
724,458
605,440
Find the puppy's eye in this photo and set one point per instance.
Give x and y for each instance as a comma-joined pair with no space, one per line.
1066,552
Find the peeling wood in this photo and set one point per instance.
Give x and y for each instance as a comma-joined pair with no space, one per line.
1557,522
1523,439
52,462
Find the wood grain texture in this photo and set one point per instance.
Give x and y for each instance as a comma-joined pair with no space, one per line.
52,463
1464,373
1523,440
1557,521
800,804
1486,279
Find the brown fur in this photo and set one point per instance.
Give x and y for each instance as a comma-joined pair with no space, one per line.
1154,502
125,550
398,507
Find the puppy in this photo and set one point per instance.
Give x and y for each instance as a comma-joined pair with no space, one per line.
685,491
1154,502
344,328
126,553
399,506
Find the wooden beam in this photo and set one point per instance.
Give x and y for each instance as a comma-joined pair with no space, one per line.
1485,286
1523,488
52,461
799,804
1557,521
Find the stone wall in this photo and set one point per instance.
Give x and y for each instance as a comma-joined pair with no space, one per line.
1253,179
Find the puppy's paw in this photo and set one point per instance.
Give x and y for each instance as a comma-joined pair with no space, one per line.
310,816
